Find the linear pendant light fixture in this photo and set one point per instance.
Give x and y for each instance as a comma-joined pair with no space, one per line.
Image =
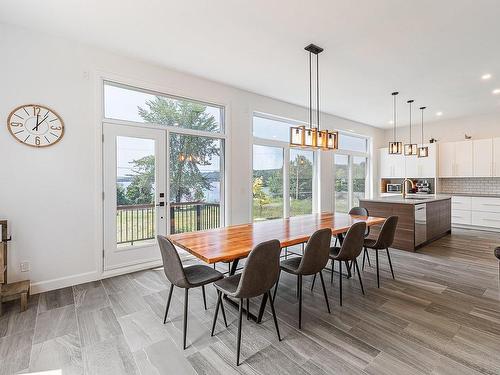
395,147
410,148
313,136
423,151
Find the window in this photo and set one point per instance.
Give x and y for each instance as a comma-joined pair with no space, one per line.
282,183
341,183
301,181
136,105
194,136
267,183
351,172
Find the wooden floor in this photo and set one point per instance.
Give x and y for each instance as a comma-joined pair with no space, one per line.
440,316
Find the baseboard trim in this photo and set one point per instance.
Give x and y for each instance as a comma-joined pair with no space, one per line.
63,282
132,268
475,227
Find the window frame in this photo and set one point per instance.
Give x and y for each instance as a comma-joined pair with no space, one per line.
286,163
350,155
221,135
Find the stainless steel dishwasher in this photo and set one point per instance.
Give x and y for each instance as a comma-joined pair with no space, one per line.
420,223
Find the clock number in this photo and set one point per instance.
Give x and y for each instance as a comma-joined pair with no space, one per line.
37,141
15,124
36,111
55,127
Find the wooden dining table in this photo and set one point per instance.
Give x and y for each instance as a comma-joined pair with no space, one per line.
234,242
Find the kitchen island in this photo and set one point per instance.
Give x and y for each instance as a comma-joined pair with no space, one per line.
422,218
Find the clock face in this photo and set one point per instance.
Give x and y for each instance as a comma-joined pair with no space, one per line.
35,125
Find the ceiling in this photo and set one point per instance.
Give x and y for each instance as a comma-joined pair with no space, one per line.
432,51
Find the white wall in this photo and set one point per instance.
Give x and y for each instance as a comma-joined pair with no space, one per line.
482,126
51,196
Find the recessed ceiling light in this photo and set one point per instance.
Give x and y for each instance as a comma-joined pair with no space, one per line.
496,91
439,113
486,76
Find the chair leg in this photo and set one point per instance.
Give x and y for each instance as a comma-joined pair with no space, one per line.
204,296
331,275
348,269
340,282
168,302
184,328
324,291
298,281
276,287
248,309
368,257
219,298
390,263
314,280
222,310
238,342
364,256
299,278
271,302
378,276
359,276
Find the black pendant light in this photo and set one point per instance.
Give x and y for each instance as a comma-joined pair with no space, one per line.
313,136
410,148
423,151
395,147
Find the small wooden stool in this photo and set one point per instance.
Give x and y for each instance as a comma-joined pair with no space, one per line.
20,289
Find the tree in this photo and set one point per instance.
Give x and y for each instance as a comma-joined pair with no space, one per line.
121,197
140,190
275,183
259,195
301,170
187,153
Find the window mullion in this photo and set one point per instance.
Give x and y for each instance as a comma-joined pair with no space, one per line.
286,182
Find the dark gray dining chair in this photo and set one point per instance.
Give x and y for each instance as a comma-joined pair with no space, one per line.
349,251
185,278
361,211
257,278
313,261
384,241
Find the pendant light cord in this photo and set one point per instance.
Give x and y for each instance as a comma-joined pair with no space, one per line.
317,88
410,102
422,109
394,118
310,91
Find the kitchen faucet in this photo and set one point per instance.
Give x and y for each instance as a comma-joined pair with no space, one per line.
403,187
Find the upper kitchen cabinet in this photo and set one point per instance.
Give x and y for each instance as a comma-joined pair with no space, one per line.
422,167
391,166
496,157
483,157
456,159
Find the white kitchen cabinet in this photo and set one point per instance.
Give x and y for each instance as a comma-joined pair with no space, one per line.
475,211
483,157
461,217
496,157
486,219
446,159
485,204
464,165
422,167
461,203
391,166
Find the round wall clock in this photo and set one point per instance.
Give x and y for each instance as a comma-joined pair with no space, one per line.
35,125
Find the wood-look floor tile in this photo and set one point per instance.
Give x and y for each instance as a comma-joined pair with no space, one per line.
90,296
97,326
56,298
112,356
142,329
54,323
60,353
15,352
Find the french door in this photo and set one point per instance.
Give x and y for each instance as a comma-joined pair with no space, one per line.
135,208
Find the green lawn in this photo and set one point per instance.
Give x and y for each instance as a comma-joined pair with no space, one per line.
274,210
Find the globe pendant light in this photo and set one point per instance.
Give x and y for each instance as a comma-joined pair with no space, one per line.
410,148
423,151
395,147
313,136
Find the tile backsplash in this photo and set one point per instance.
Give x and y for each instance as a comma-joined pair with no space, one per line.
476,185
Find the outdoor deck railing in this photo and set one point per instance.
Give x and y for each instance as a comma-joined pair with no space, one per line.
137,222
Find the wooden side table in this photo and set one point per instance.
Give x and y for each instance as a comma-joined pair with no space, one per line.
18,290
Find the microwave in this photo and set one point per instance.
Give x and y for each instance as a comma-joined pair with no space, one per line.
394,188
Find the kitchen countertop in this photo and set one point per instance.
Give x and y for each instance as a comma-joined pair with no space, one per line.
412,199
